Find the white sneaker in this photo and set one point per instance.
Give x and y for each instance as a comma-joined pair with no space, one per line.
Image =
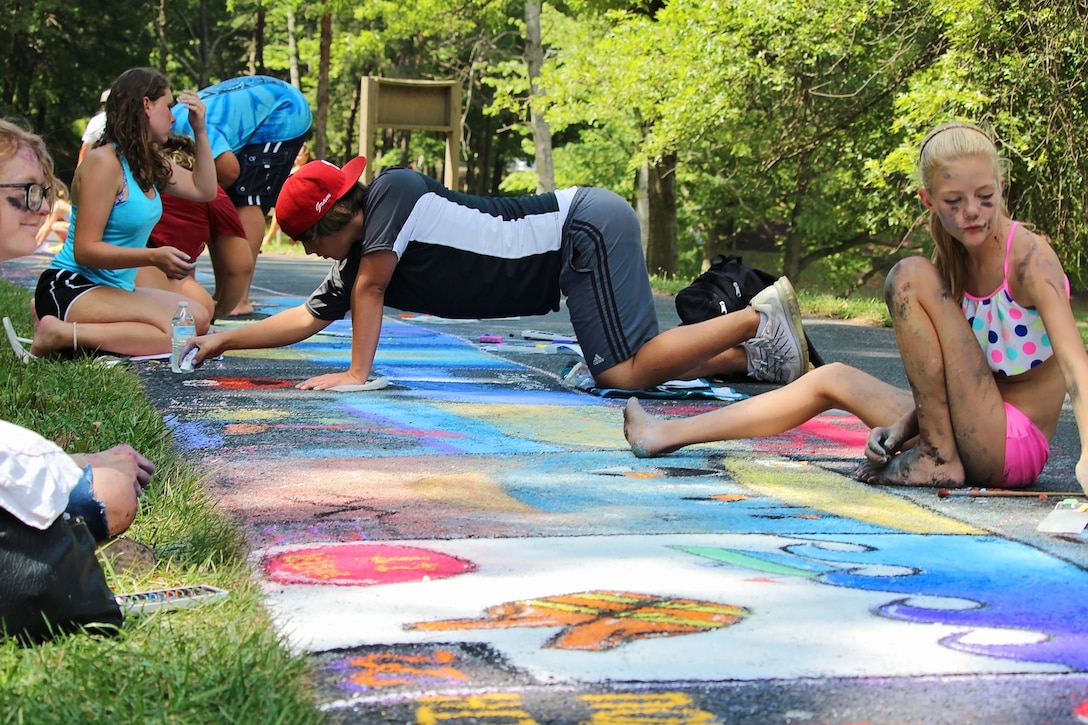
778,353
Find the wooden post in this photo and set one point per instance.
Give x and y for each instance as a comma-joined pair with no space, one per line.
412,105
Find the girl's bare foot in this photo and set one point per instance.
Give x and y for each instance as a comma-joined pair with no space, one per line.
243,309
914,467
51,335
642,431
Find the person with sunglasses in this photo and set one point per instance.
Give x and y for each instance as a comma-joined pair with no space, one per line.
38,480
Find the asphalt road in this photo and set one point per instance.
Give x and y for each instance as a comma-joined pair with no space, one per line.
493,689
868,348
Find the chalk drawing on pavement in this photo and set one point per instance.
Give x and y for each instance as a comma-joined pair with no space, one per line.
362,564
997,606
474,457
712,607
601,620
239,383
384,669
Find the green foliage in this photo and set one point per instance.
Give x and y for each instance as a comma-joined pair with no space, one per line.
58,56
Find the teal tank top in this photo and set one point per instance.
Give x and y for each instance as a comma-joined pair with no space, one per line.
129,225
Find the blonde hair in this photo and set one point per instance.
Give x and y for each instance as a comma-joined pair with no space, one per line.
948,143
14,137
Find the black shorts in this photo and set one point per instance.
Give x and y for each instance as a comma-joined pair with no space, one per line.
262,169
56,291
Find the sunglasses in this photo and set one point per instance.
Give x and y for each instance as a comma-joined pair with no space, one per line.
34,194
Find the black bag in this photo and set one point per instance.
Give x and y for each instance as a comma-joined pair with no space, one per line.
51,581
729,285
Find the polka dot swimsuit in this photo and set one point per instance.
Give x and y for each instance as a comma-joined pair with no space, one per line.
1012,336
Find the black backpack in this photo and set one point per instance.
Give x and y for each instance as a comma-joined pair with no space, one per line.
729,285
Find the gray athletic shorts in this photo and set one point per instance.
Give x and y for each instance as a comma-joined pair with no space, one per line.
605,280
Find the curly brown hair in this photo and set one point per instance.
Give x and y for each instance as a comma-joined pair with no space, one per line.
181,150
128,127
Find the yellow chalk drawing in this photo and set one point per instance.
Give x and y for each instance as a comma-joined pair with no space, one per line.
316,566
387,669
498,708
469,491
601,620
664,708
251,415
814,488
238,429
403,563
568,427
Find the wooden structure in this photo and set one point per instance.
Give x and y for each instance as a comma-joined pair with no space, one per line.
412,105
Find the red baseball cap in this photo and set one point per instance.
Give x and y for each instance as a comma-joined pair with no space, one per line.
310,192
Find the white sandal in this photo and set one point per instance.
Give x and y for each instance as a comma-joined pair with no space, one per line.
17,342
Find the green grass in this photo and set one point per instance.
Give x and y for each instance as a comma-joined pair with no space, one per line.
222,662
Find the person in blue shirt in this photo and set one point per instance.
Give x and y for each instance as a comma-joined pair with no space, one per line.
256,125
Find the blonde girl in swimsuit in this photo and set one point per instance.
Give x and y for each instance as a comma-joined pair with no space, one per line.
987,337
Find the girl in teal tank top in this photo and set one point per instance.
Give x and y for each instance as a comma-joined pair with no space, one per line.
87,298
130,222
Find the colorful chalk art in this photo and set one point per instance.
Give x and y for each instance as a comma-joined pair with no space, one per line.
476,524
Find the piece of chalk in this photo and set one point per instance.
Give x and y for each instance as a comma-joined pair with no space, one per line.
491,338
186,363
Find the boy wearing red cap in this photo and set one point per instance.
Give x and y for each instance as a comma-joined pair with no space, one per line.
408,242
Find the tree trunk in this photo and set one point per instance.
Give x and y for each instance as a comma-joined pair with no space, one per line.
791,246
256,43
642,205
350,150
292,48
661,197
321,117
542,134
160,31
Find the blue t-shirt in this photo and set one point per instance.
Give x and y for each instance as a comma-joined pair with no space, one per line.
129,225
248,110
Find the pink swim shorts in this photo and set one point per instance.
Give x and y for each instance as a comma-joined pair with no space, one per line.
1026,449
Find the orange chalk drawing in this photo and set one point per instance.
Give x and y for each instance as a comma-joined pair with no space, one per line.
362,564
601,620
389,669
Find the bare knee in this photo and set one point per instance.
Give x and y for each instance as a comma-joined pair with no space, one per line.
202,317
908,274
830,378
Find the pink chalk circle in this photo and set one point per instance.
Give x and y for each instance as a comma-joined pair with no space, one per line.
362,565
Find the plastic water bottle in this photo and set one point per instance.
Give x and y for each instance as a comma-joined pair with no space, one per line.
183,328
